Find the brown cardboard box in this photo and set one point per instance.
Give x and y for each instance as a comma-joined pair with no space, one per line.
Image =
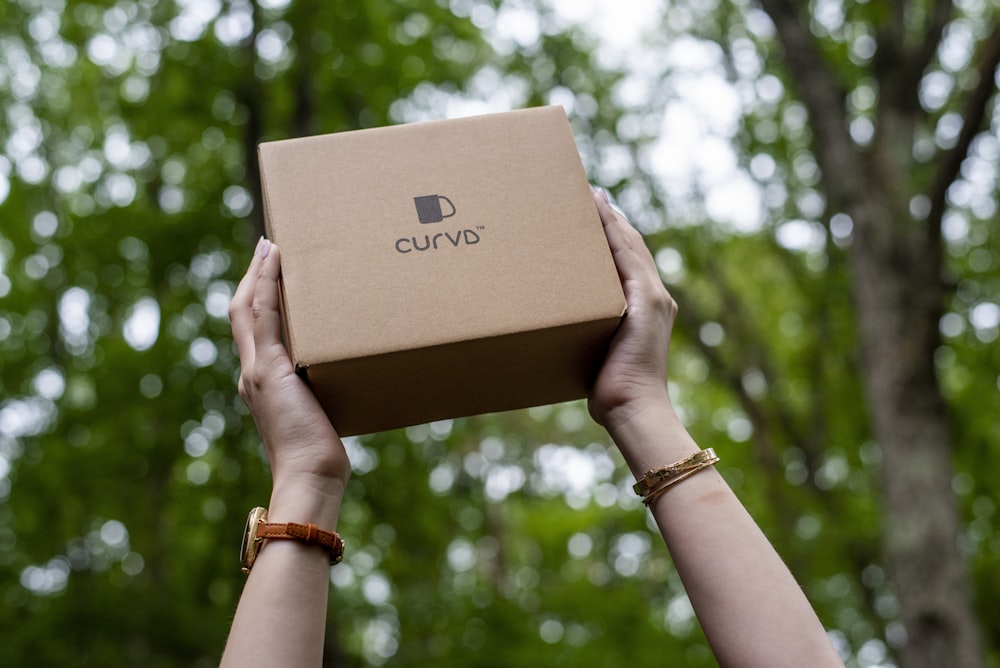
440,269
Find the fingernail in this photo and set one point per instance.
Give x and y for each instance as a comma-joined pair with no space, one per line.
266,249
260,241
604,194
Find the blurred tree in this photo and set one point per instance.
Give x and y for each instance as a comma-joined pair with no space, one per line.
876,118
127,177
861,145
899,282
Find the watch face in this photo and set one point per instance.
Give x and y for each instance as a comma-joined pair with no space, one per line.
249,545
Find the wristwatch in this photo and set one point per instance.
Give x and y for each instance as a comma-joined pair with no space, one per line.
258,530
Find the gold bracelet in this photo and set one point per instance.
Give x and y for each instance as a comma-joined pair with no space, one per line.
648,499
654,477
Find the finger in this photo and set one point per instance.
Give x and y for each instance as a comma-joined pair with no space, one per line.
241,309
632,257
266,316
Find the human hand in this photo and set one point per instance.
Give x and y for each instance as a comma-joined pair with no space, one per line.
633,378
302,446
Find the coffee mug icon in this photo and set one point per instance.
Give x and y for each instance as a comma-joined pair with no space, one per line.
429,208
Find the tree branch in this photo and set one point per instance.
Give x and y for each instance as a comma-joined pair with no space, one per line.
768,420
823,95
304,112
895,30
900,66
767,455
249,94
921,57
974,113
816,81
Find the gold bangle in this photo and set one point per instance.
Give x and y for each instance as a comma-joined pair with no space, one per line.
648,499
652,479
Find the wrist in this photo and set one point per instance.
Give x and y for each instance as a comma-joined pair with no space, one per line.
307,499
650,435
638,407
318,466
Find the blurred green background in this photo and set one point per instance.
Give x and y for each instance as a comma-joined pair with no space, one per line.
817,181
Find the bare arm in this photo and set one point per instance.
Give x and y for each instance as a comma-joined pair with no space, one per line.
281,617
748,603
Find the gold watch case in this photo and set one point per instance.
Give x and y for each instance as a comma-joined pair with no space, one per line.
250,545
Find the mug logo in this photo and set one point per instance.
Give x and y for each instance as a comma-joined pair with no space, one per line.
429,208
429,211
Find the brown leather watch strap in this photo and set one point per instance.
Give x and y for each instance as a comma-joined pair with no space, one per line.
306,533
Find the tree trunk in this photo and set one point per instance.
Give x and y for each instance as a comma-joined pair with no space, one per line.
897,265
898,298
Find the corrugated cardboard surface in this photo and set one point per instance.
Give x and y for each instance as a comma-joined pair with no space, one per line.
508,299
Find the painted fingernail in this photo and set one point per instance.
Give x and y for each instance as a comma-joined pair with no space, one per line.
266,248
604,194
260,241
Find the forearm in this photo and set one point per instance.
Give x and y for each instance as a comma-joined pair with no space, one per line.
281,617
748,603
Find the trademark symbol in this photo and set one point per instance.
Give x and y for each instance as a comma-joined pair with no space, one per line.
480,227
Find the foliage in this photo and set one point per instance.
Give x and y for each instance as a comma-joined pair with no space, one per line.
127,462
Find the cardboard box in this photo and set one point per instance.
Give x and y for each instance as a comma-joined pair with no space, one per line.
441,269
